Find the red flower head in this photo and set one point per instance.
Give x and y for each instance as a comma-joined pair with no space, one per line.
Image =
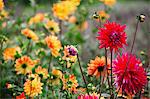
133,79
21,96
112,36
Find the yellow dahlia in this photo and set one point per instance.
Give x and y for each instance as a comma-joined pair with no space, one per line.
63,9
76,2
70,83
24,65
9,53
39,17
109,3
54,44
52,26
42,72
33,87
96,67
70,55
29,34
1,4
55,77
3,14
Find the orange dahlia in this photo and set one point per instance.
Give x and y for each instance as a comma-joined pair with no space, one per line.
1,4
70,55
42,72
103,15
24,65
52,26
9,53
96,67
70,83
54,44
109,3
39,17
33,87
29,34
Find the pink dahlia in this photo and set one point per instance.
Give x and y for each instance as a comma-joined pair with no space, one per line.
112,36
91,96
129,74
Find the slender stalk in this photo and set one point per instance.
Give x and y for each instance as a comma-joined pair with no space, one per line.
100,85
134,37
137,24
60,23
82,73
111,58
29,46
49,67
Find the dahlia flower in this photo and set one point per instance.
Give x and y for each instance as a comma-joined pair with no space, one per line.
29,34
70,55
1,4
112,36
96,67
70,83
9,53
21,96
42,72
39,17
91,96
54,44
129,74
109,3
33,87
24,65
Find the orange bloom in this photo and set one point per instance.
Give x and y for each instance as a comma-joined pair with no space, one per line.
103,15
96,67
39,17
33,87
70,55
64,8
42,71
109,3
70,83
1,4
29,34
72,19
24,65
9,53
54,44
52,26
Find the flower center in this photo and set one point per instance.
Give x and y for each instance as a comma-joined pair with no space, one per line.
69,83
51,28
41,75
114,37
72,51
100,68
24,66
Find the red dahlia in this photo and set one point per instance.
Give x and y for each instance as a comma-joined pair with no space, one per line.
112,36
133,79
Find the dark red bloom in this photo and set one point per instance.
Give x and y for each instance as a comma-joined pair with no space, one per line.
134,78
21,96
112,36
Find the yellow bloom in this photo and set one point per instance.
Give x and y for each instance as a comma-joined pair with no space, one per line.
109,3
63,9
9,53
76,2
54,44
1,4
24,65
42,71
29,34
55,77
39,17
103,15
33,87
52,26
3,14
70,55
70,83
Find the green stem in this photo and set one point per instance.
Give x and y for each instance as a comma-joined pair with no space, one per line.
49,67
